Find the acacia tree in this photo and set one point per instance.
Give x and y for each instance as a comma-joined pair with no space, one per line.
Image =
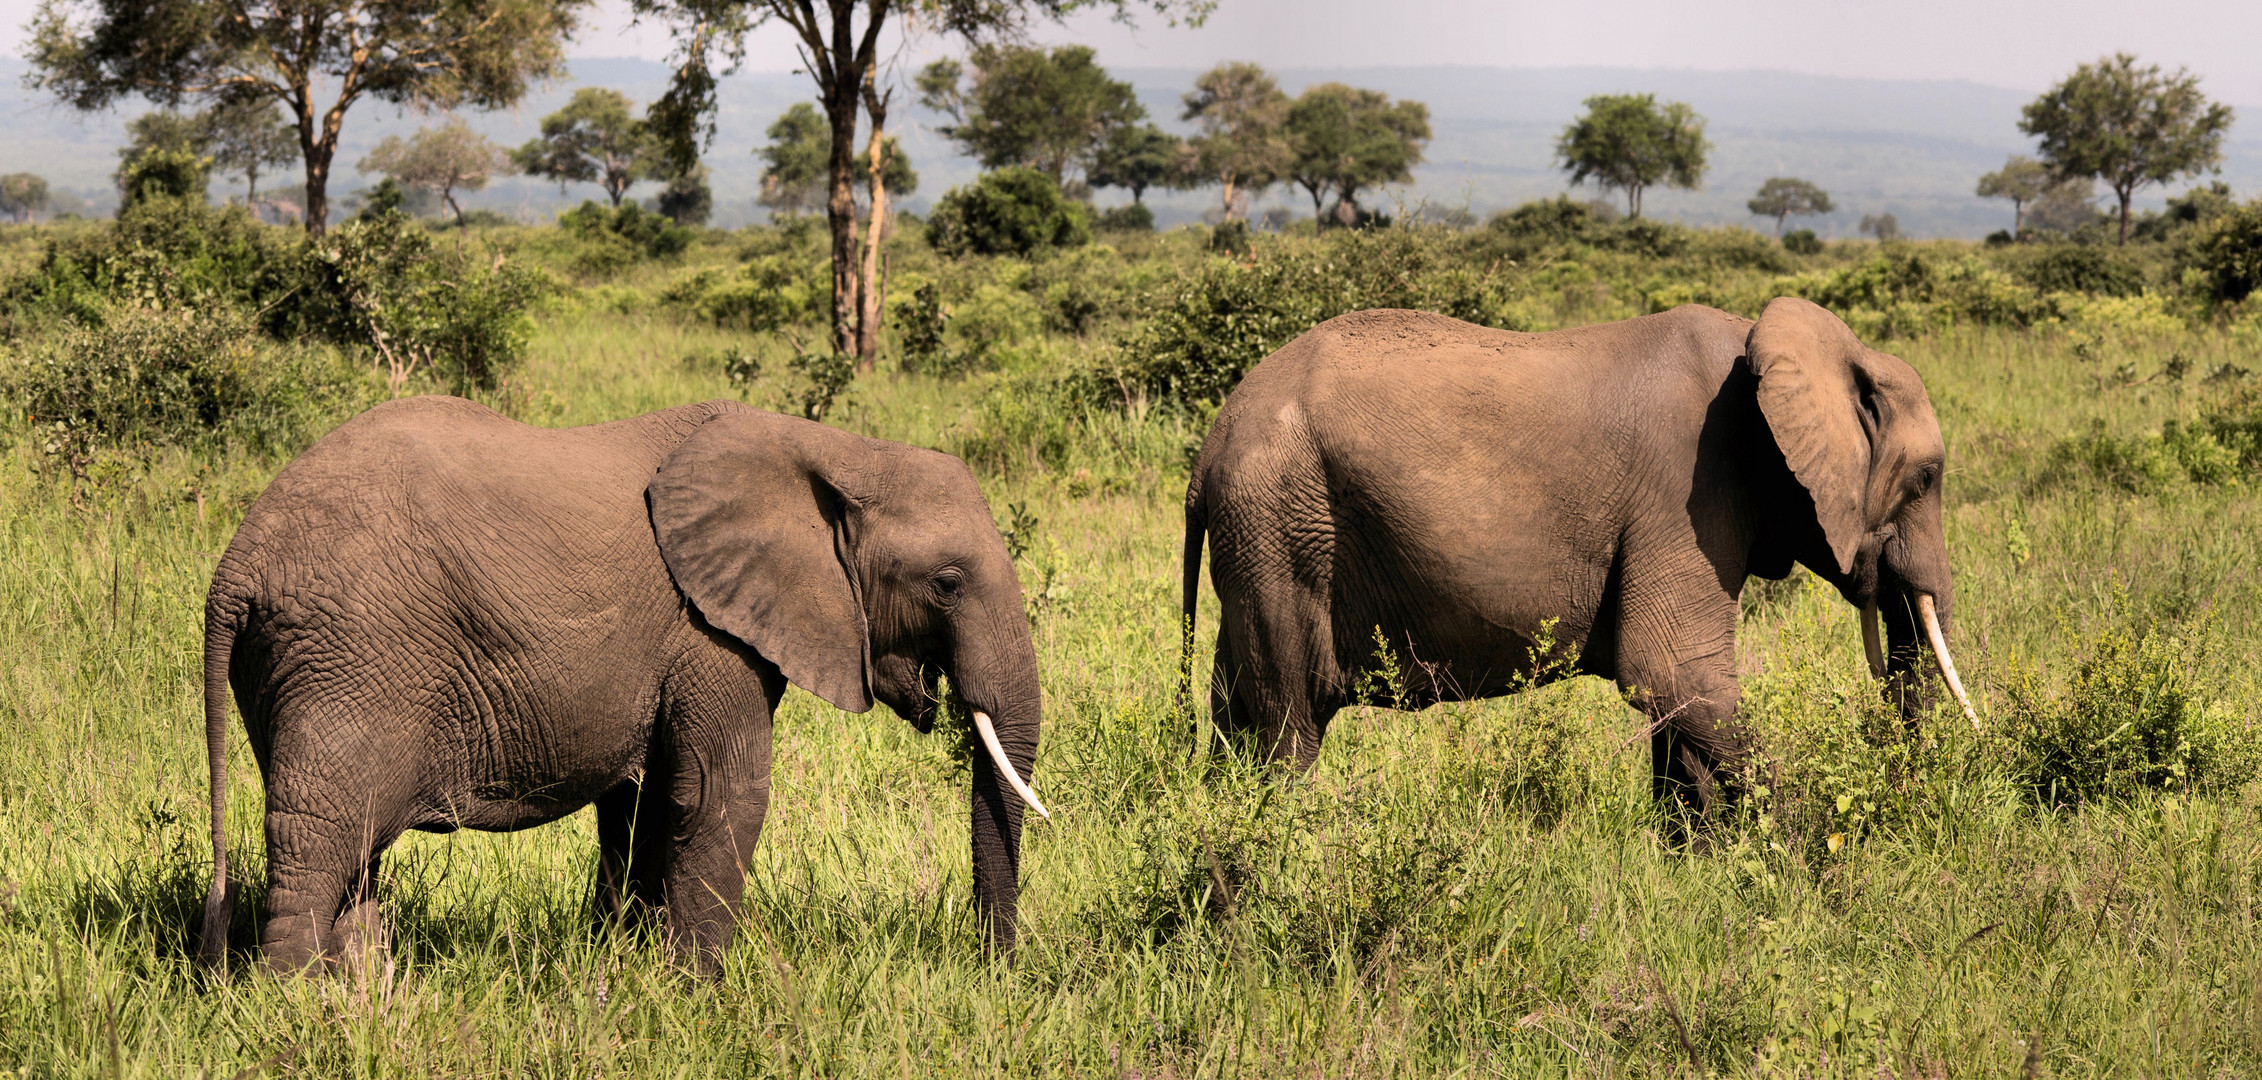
793,163
1139,157
1343,139
1782,196
594,139
842,57
1241,112
247,136
2021,180
425,53
1051,111
2128,126
441,160
22,195
1629,142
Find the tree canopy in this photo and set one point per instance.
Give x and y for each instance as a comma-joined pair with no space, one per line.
247,136
1782,196
2021,180
594,139
441,160
1343,140
1050,110
1139,157
442,54
1629,142
842,58
22,195
2127,126
1241,113
793,163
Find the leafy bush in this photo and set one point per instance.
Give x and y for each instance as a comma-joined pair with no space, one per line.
1011,211
1802,242
989,326
2082,268
164,173
623,234
1901,292
920,325
2224,254
2196,453
167,253
767,294
421,307
147,377
1133,218
1213,323
2131,719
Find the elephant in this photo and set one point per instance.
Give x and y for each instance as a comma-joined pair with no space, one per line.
439,618
1449,489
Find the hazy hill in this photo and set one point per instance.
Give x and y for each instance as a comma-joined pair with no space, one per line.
1912,148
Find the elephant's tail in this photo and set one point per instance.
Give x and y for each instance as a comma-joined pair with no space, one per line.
1197,525
222,620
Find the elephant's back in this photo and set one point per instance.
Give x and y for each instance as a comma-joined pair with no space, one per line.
412,470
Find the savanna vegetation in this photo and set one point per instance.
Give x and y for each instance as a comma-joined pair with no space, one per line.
1477,889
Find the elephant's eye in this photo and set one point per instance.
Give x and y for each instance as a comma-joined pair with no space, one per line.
948,582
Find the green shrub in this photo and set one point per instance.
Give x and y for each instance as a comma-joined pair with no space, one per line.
142,378
422,308
989,327
167,253
164,173
920,325
2131,718
1078,288
1802,242
2224,254
1133,218
1542,222
2082,268
1210,325
629,229
1901,292
1011,211
2206,453
769,293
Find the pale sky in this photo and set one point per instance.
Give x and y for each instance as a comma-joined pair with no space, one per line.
2021,44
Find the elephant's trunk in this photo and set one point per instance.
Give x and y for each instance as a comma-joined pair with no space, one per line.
995,673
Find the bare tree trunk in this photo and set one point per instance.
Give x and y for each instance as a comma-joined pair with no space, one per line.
840,213
872,305
2124,193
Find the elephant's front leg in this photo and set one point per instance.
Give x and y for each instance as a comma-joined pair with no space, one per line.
713,758
1677,662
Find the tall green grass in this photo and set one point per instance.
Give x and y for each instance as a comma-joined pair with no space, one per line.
1475,890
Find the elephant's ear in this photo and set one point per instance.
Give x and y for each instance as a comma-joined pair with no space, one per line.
753,531
1812,391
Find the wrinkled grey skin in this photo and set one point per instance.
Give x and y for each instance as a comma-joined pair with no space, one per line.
1455,486
439,618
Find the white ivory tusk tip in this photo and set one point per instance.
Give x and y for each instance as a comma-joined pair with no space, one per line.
1926,611
988,731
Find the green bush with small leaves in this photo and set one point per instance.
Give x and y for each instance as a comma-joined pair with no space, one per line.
2132,717
1012,211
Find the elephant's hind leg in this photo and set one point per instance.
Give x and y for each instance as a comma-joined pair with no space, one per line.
322,878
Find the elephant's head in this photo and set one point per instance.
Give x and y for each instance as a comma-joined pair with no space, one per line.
1857,430
865,570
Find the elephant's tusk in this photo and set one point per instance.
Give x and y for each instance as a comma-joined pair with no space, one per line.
1931,617
1869,642
997,754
